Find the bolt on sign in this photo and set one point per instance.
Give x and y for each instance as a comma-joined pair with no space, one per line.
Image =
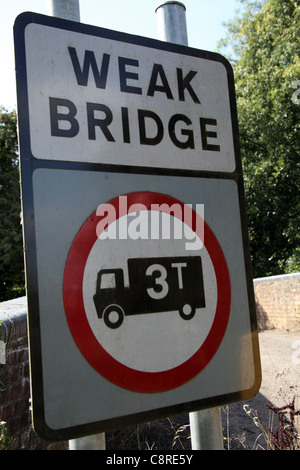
139,286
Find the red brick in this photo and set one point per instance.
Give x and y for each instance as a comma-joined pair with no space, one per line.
7,412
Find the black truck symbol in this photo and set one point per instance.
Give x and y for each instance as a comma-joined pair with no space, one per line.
155,285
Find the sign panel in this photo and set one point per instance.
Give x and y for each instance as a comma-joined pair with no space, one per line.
104,102
139,288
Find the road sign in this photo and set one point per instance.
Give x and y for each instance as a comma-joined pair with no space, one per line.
140,296
161,284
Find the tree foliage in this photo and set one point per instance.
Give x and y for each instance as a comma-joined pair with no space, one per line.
265,43
11,253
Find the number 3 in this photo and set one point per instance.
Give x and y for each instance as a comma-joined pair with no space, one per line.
160,281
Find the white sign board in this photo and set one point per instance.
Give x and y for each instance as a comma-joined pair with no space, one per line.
134,103
140,296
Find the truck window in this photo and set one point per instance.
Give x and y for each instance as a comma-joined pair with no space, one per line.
108,281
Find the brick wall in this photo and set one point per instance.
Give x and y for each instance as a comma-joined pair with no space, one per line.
278,301
14,378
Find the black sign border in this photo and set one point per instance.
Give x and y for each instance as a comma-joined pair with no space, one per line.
28,163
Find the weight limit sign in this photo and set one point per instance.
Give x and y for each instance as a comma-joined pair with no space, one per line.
147,313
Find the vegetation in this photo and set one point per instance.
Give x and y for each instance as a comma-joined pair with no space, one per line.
282,432
5,439
11,257
263,43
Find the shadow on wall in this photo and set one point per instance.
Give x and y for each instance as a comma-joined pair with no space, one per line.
278,302
263,321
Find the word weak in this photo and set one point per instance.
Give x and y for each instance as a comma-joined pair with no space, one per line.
103,120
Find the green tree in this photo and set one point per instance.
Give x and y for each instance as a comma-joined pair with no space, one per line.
264,41
11,252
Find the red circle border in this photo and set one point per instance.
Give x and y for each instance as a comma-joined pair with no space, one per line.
95,354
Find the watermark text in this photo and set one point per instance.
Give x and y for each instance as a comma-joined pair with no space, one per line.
161,222
296,94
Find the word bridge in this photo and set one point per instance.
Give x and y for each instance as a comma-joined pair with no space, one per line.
150,126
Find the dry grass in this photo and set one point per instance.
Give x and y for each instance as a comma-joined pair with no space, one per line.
281,432
165,434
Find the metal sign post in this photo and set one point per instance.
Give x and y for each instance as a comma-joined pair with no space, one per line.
70,10
171,23
205,425
67,9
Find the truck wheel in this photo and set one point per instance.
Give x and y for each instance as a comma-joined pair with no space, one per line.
187,312
113,316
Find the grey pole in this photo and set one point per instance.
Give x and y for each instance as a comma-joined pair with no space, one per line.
69,10
93,442
171,23
206,429
206,425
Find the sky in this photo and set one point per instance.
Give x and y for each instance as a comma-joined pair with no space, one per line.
204,25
